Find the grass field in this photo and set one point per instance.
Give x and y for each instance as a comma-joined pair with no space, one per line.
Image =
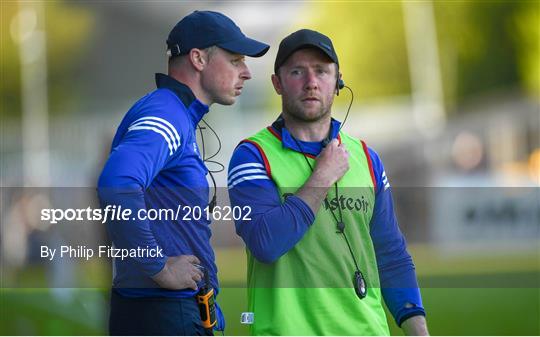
463,296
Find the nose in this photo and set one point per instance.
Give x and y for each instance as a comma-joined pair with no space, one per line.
245,74
311,81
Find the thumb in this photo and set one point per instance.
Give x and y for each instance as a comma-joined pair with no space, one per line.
334,143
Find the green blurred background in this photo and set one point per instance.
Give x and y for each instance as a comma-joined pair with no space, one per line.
446,91
482,296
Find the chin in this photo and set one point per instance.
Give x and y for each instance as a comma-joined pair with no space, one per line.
313,115
308,118
227,101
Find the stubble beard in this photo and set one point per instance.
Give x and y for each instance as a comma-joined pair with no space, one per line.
225,101
222,98
297,111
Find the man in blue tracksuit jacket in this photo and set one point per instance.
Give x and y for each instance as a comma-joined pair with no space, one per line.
155,164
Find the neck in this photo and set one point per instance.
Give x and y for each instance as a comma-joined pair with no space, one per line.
308,131
193,81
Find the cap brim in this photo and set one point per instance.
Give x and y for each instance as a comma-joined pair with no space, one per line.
245,46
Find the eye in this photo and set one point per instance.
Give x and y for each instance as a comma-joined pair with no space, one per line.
296,72
237,61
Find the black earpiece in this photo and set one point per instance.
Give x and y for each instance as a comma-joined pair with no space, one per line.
340,84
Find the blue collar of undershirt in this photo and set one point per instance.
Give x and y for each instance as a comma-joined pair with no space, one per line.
311,148
196,109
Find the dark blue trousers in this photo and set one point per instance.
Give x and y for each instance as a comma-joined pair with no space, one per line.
155,316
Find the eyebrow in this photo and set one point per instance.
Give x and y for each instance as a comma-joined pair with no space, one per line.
317,65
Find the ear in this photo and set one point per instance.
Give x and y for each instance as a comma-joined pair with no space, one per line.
276,83
197,59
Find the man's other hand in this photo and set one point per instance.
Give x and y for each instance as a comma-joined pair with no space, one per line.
179,273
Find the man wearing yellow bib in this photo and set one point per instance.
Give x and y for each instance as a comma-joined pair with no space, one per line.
323,244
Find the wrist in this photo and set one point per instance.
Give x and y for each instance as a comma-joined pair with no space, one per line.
415,326
319,180
161,274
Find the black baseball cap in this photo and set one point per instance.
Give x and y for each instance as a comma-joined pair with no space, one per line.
203,29
304,38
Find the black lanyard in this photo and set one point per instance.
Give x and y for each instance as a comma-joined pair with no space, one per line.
360,286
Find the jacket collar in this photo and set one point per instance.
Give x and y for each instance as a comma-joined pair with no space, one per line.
196,109
279,130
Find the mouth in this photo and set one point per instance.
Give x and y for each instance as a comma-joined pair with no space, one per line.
310,99
238,90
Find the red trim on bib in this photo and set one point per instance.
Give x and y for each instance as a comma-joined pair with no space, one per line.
265,159
272,131
364,146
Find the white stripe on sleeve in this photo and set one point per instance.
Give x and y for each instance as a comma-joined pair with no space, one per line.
241,166
244,172
239,180
385,180
155,130
159,125
173,129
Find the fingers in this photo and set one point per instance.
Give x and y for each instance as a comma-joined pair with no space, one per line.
194,275
335,145
343,148
192,259
334,142
197,274
197,278
329,149
192,285
180,272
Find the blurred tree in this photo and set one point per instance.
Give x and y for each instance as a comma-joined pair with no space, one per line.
483,46
370,43
370,40
67,28
526,24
